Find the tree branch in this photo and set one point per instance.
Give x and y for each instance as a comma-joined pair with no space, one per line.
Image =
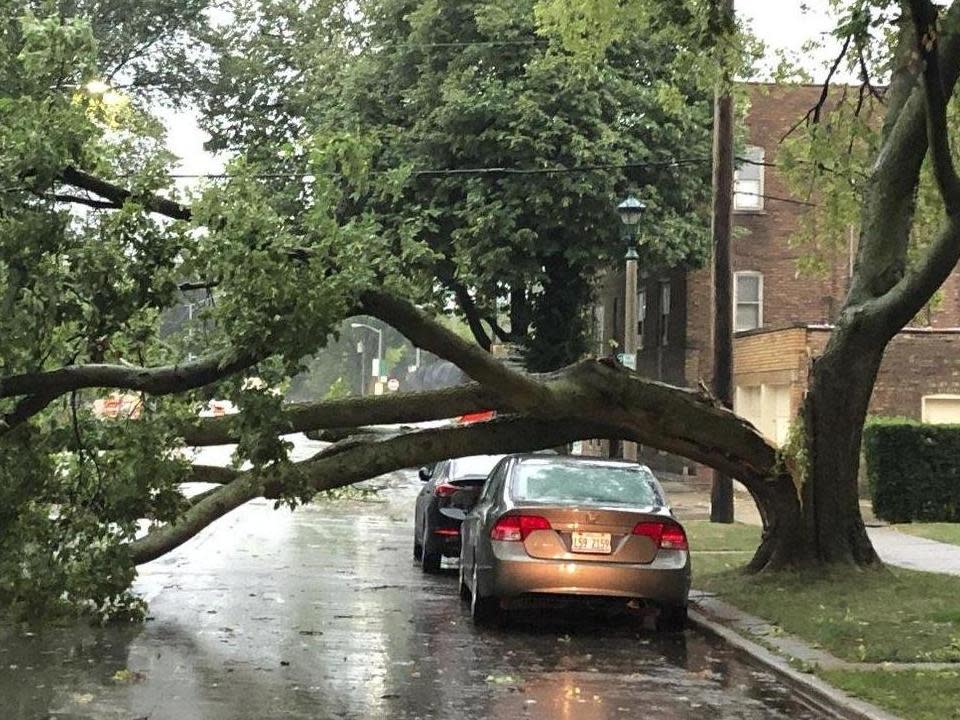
81,200
161,380
204,511
471,313
911,292
938,137
355,412
649,413
888,208
198,285
905,299
813,114
212,474
511,387
118,195
25,409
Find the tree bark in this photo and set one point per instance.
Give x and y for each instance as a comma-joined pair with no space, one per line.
834,414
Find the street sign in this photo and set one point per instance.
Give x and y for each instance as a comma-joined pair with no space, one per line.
393,384
376,367
628,360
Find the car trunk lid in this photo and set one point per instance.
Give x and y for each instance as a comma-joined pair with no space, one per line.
586,533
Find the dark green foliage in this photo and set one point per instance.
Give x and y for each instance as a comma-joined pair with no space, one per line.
436,84
913,469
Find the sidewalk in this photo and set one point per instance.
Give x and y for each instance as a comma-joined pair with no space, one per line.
907,665
915,553
893,546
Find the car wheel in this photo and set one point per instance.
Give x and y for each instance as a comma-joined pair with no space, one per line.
672,618
429,561
484,611
417,550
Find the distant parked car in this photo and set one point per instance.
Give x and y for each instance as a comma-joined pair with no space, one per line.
447,484
573,526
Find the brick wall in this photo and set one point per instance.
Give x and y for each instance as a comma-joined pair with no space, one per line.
916,363
762,243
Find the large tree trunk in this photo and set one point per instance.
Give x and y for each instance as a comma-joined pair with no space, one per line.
822,524
836,408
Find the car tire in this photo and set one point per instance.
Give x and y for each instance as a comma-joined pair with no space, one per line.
429,561
672,618
417,550
484,611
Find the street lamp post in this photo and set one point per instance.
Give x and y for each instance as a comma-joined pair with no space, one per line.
379,333
630,211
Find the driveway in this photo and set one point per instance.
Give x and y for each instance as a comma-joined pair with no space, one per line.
321,613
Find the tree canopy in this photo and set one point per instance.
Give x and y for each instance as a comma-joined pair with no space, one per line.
506,153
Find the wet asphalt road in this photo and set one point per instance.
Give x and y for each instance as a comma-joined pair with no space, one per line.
322,614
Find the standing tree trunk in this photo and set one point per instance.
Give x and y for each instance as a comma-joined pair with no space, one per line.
886,292
842,382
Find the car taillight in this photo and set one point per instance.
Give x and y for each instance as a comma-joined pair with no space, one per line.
664,535
673,538
445,490
515,528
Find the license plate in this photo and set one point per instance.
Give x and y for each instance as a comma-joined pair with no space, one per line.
590,542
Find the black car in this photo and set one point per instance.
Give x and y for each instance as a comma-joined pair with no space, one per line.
447,484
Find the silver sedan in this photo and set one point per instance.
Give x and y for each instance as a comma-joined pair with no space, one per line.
573,526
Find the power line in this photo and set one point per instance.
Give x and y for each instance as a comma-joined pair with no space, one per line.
470,171
456,172
474,43
489,172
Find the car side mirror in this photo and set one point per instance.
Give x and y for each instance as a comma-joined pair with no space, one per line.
453,512
425,473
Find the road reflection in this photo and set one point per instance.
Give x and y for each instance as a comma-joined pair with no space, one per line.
321,613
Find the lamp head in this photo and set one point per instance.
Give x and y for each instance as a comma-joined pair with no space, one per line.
630,211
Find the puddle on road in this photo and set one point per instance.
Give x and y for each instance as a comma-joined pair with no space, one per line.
352,629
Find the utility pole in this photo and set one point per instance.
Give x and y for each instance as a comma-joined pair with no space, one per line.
721,495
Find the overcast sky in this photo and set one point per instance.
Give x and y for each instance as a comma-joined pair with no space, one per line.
783,25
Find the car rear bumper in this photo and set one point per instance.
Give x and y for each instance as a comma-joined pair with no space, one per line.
513,573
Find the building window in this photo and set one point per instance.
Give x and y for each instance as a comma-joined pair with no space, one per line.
664,313
748,180
748,299
641,316
940,409
768,407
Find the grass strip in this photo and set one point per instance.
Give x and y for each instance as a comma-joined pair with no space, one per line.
911,694
941,532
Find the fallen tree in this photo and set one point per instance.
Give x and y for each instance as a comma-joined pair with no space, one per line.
280,260
589,399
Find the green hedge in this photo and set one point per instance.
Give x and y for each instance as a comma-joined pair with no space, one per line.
913,470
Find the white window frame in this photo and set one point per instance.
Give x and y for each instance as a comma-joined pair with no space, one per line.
736,298
748,200
941,396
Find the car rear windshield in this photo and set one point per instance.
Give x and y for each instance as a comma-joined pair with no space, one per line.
584,483
474,466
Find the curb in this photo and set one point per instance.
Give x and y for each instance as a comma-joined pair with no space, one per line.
823,698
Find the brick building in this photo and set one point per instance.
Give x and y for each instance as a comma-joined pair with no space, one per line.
782,315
